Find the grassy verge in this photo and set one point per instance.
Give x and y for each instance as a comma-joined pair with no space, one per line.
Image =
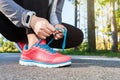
84,53
10,52
97,53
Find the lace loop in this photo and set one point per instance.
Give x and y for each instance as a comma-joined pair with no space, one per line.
46,46
64,31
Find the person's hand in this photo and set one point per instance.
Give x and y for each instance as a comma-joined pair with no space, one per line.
58,33
41,27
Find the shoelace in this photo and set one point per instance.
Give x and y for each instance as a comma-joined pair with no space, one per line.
46,46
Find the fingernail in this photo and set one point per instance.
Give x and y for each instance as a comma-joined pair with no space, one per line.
53,33
56,38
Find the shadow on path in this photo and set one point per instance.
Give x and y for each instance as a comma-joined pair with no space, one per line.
100,63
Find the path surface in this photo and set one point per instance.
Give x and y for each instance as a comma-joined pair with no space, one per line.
82,68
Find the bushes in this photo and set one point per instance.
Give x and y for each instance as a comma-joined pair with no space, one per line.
8,47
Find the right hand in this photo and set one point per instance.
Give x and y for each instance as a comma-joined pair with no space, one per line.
41,27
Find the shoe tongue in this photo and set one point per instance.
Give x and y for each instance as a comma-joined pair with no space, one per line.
43,42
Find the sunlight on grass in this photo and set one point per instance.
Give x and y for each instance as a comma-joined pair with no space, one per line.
97,53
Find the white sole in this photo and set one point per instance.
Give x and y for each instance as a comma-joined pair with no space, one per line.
45,65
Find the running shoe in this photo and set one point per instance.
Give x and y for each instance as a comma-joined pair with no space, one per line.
42,55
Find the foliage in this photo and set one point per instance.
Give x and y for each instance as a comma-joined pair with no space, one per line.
75,2
1,41
103,11
103,2
83,46
105,53
103,21
7,46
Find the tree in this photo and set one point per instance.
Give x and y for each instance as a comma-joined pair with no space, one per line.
76,16
112,23
91,26
114,27
76,3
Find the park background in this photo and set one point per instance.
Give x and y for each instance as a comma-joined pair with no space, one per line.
98,19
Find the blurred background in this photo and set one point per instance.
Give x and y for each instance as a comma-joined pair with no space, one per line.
98,19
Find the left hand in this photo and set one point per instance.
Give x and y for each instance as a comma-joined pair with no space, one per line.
58,33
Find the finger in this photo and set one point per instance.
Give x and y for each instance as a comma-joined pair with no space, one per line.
48,31
57,36
44,33
60,31
51,28
61,34
42,37
56,32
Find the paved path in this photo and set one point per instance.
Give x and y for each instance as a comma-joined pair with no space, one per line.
82,68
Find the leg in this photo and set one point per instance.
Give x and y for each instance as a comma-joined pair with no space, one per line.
74,38
10,31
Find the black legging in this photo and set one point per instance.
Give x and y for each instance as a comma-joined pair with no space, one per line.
13,33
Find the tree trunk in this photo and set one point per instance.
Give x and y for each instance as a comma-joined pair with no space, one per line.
76,16
114,27
91,26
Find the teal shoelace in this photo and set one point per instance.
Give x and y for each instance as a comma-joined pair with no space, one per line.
46,46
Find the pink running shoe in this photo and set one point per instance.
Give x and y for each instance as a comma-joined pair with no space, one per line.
20,45
42,55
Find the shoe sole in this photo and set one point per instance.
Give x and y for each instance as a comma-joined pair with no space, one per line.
45,65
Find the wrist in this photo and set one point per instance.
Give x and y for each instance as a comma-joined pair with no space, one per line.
27,18
33,21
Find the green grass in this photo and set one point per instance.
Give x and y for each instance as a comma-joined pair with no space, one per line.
10,52
97,53
105,53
